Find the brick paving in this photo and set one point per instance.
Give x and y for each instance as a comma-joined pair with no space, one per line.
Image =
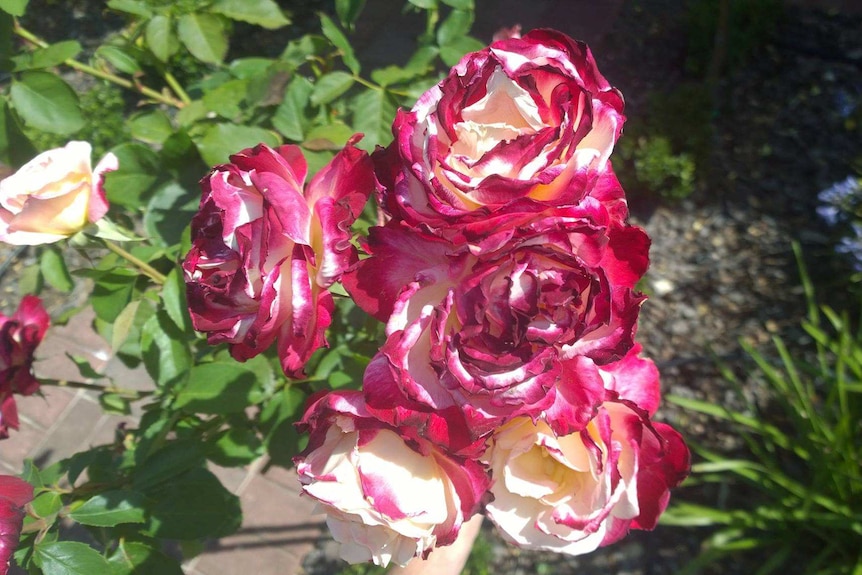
279,527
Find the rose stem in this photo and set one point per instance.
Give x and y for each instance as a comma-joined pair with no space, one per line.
148,270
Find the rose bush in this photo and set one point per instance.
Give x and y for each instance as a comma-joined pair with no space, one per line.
573,493
499,263
53,196
265,249
386,498
527,122
20,335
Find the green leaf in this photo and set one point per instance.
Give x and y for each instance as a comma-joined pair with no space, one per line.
152,126
459,4
160,37
395,74
139,169
82,460
456,25
47,504
119,59
452,53
7,27
69,558
167,464
85,370
115,403
426,4
14,7
249,68
221,140
47,57
329,137
15,148
225,100
136,7
165,352
304,49
108,230
191,113
134,558
193,506
340,41
236,446
330,86
112,292
289,118
373,113
123,325
54,270
30,281
204,36
111,508
169,212
265,13
348,11
47,103
174,299
282,439
218,387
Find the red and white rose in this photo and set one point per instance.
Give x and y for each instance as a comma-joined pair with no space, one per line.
266,248
573,493
387,497
15,493
526,123
486,327
20,335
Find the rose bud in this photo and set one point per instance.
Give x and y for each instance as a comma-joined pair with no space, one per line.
265,249
484,327
20,334
526,123
572,493
14,495
53,196
387,498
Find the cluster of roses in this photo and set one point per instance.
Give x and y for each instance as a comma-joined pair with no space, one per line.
505,271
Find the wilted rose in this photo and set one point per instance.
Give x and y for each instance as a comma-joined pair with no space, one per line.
486,326
20,335
573,493
54,195
526,123
14,495
265,249
387,498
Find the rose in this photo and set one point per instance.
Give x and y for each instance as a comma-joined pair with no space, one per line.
14,495
264,249
573,493
527,121
53,196
387,497
20,335
486,326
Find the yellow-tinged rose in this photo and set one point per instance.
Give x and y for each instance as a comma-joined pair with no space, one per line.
54,195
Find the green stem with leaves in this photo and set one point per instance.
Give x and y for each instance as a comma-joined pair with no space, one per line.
145,268
130,393
113,78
